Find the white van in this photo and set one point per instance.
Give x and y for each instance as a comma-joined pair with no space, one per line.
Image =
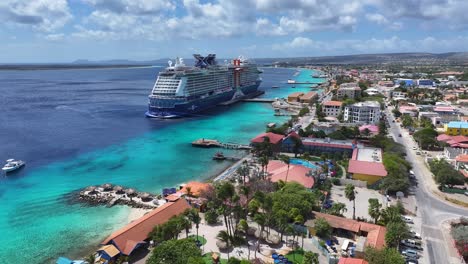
407,219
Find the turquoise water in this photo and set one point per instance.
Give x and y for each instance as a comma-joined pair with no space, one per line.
37,221
284,89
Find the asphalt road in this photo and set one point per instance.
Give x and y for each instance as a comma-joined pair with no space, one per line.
431,208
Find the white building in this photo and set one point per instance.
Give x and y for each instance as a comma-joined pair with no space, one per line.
363,112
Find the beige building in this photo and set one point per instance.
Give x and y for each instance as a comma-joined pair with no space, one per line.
332,108
308,98
348,90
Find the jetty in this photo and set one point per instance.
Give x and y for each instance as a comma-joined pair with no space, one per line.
212,143
259,100
241,98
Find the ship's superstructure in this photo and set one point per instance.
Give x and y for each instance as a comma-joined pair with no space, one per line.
181,90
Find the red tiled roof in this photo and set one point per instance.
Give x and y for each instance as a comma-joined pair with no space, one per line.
297,173
274,138
367,168
128,237
352,261
372,128
333,103
462,158
196,188
375,233
330,145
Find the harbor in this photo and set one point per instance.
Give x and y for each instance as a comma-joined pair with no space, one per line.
212,143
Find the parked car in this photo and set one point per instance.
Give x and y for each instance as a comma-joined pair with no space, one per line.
410,253
399,135
418,153
411,243
415,148
415,235
407,219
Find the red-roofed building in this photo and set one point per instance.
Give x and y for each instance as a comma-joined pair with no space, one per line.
134,234
373,235
352,261
278,170
454,141
274,139
366,165
332,108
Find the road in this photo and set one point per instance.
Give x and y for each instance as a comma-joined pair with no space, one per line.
432,210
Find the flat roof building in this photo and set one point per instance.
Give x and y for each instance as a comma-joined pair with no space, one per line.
366,165
332,108
367,112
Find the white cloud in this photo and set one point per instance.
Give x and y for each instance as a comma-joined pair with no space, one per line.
44,15
55,37
383,21
141,7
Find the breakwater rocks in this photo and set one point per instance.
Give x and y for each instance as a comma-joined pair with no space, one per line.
111,195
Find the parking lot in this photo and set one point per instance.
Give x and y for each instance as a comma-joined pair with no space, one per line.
362,201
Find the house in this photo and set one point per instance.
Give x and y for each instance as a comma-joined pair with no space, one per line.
461,162
196,188
366,165
107,254
366,234
372,129
308,98
454,141
278,170
332,108
135,234
352,261
456,128
348,90
367,112
275,140
447,113
294,97
410,110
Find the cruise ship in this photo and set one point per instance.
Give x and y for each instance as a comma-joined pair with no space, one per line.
182,90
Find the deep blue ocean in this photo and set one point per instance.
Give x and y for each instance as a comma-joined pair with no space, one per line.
76,128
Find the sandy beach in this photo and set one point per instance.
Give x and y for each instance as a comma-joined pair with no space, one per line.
135,213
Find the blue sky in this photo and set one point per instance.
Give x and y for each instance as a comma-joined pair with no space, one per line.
64,31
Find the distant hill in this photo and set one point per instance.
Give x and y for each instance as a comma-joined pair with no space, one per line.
384,58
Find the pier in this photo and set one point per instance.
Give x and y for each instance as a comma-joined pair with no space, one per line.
241,98
212,143
259,100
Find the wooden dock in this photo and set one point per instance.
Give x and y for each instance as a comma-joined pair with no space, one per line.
211,143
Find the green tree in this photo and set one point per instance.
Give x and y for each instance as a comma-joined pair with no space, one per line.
224,236
337,209
194,216
350,194
310,258
374,209
323,228
243,171
382,128
383,256
396,231
445,174
211,217
91,258
389,215
174,252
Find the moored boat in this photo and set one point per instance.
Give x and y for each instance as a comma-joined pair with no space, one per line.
13,165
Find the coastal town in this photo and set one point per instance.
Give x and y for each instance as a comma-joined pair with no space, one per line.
370,167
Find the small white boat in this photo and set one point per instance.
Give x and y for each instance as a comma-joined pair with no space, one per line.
12,165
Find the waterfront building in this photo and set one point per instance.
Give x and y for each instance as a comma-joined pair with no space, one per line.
456,128
196,188
348,90
317,146
278,170
294,97
366,165
107,254
367,112
135,234
332,108
275,140
308,98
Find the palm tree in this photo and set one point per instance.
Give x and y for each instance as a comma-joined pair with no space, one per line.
244,226
195,218
286,160
223,236
188,191
261,221
264,163
91,259
350,194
